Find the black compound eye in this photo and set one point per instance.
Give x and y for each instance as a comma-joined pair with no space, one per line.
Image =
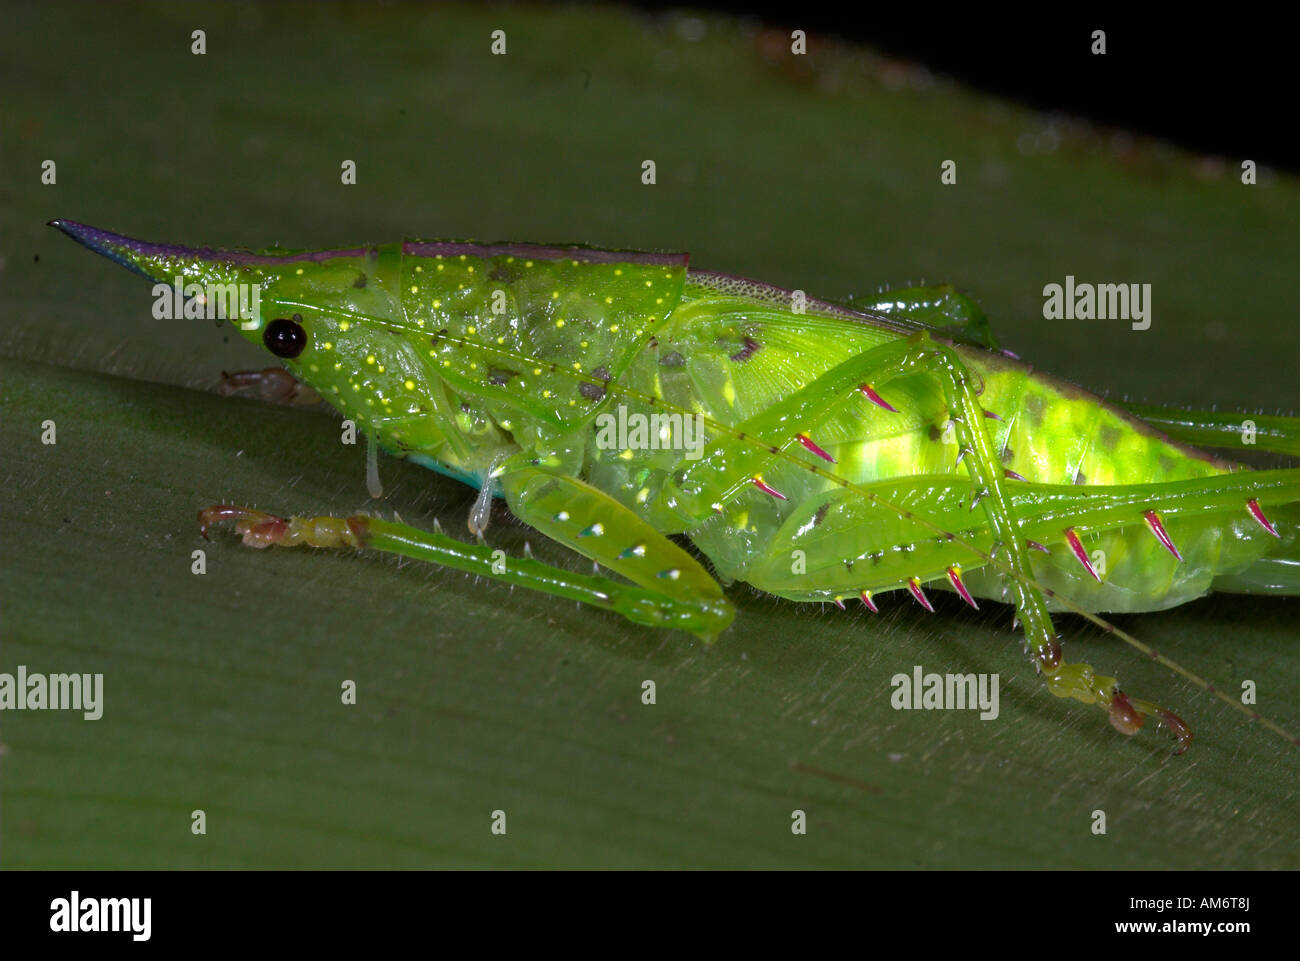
284,338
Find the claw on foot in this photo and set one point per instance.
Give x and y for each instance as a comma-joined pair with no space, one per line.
1124,717
260,529
257,528
1177,727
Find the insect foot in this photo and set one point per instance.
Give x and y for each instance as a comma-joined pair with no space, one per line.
260,529
1081,682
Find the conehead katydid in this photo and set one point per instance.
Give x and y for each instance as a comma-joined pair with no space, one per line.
619,399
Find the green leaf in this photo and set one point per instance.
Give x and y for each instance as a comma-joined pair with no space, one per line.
222,691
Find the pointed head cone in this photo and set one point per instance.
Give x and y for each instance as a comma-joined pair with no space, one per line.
206,282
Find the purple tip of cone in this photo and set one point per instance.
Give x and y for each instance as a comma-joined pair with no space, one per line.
116,247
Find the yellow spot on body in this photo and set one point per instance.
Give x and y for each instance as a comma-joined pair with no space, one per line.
729,393
442,266
618,271
643,495
742,519
613,328
437,304
546,393
370,359
625,454
577,366
555,295
415,289
419,269
647,283
528,263
298,271
446,363
314,367
471,329
537,372
560,322
345,325
381,368
609,300
409,385
583,344
328,345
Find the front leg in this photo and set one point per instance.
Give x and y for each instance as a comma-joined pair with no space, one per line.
274,384
670,589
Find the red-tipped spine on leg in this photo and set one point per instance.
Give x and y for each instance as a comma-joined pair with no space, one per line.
1076,546
1158,528
914,586
954,577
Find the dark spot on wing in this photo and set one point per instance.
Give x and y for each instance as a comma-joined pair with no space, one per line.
672,359
360,281
749,347
595,391
499,376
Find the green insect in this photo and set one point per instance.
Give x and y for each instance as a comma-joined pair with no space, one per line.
817,451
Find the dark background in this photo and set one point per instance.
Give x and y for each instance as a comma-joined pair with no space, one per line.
1220,85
